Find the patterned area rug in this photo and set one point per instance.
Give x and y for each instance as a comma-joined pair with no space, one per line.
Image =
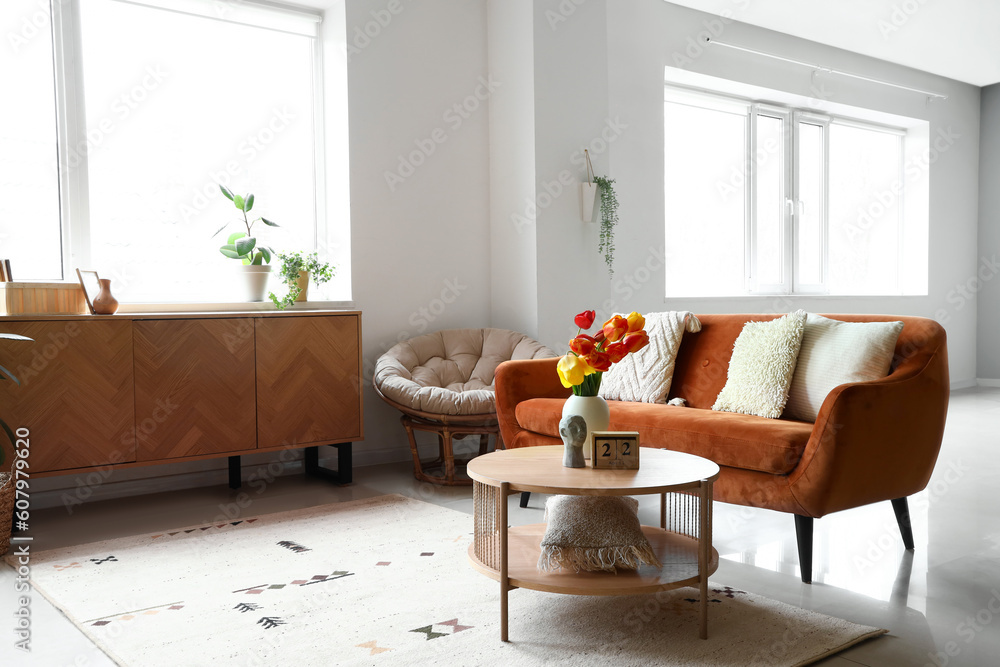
385,581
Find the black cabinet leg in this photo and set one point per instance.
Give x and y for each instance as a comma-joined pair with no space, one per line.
235,476
344,473
524,498
804,538
902,510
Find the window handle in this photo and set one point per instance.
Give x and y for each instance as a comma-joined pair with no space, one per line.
790,206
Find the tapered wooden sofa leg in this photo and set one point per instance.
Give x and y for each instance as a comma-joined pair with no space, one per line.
804,538
524,498
902,510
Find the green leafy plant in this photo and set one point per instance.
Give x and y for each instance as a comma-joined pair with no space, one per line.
5,375
240,245
292,264
609,220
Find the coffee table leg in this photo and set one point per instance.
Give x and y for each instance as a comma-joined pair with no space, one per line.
663,511
504,581
704,551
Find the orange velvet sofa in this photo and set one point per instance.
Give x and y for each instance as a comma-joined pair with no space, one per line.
872,441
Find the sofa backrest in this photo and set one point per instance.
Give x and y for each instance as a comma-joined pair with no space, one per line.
703,358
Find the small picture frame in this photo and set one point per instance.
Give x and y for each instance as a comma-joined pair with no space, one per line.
91,287
616,450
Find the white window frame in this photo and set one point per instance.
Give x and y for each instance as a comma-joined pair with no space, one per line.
790,283
71,121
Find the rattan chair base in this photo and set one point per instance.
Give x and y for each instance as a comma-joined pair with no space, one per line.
6,510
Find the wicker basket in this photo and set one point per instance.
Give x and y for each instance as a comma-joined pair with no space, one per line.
6,510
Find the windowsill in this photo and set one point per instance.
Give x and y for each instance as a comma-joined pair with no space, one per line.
231,307
771,297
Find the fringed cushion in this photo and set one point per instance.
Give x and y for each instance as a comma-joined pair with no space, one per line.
594,533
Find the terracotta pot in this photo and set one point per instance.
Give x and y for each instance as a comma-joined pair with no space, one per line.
105,303
594,411
303,283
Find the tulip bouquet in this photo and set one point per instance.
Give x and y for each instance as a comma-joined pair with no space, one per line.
589,356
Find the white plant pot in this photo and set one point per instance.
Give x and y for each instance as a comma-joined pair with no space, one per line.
594,411
588,194
255,281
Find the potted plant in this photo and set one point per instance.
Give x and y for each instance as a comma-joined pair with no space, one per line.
243,246
7,482
609,211
296,270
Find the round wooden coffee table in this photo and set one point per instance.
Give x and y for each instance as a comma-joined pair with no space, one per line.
683,541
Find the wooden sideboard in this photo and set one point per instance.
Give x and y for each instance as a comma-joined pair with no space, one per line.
145,388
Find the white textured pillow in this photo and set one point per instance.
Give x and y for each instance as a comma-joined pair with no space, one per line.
645,376
835,353
761,369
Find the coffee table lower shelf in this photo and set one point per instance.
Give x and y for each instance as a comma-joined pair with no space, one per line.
677,553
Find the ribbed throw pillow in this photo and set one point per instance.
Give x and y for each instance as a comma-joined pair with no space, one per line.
762,366
645,376
835,353
594,533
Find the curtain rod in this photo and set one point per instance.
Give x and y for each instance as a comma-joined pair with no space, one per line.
828,70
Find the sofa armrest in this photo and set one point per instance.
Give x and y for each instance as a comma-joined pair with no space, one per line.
877,440
521,380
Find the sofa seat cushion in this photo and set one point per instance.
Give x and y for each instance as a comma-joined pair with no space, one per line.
727,438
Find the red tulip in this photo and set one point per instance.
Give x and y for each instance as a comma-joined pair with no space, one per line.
585,320
615,328
616,352
599,361
599,336
634,342
582,345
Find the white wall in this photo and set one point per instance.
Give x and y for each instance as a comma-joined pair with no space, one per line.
643,36
513,259
421,253
988,342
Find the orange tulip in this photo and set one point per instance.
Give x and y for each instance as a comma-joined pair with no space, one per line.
616,352
634,342
582,345
599,361
636,322
615,328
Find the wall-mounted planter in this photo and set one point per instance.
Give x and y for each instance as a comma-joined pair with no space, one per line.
588,195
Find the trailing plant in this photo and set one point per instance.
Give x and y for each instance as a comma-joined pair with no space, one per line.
292,264
240,245
609,220
4,375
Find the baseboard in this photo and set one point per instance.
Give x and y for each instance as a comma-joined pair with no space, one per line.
964,384
987,382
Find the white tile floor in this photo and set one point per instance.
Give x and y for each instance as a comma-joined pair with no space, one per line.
943,597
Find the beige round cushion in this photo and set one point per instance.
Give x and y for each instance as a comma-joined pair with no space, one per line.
451,372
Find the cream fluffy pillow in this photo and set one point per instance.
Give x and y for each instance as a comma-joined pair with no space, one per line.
761,369
834,353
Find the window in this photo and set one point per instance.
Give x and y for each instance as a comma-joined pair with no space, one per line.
783,201
158,103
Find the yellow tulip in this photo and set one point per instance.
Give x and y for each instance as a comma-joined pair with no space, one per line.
572,369
636,322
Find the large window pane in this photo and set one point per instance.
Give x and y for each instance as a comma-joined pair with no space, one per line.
705,201
175,104
30,233
865,210
769,201
809,211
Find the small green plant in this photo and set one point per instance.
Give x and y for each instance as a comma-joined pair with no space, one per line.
4,375
609,219
292,264
240,245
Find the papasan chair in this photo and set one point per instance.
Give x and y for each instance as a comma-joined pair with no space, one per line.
442,382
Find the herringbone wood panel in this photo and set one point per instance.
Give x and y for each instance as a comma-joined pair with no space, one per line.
194,387
75,394
308,379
